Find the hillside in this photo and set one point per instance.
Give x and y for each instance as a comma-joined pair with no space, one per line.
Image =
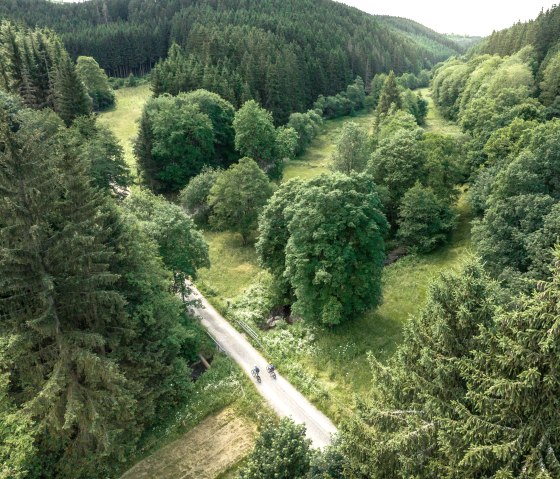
542,33
265,50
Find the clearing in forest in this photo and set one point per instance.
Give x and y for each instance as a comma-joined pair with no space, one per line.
210,449
122,119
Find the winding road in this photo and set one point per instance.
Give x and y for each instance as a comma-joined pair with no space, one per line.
280,394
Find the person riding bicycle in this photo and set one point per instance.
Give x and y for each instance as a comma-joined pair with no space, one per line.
270,368
255,371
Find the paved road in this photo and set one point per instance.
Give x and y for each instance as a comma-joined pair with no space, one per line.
279,393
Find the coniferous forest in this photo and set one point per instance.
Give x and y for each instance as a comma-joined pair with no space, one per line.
376,208
282,54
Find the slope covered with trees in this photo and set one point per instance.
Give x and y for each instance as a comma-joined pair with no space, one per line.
95,345
282,54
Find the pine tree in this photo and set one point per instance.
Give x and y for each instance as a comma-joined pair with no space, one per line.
390,95
511,426
71,98
59,298
406,428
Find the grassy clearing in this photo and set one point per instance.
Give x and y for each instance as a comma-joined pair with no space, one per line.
435,123
122,119
316,159
223,399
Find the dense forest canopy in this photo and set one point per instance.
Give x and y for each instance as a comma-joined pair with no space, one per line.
543,34
263,50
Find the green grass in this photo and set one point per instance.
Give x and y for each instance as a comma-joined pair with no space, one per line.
435,123
122,119
316,158
234,267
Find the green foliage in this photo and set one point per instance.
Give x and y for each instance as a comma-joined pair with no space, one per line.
194,197
511,428
281,451
352,150
397,164
70,96
96,83
286,143
255,135
181,246
345,103
327,234
175,141
17,451
389,96
425,221
237,197
221,114
519,196
307,126
405,428
101,149
443,162
416,105
376,87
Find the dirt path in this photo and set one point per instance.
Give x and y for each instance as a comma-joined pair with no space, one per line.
280,394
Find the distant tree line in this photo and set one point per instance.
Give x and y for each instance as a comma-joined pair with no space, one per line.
281,54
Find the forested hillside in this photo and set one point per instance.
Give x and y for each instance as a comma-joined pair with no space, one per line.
265,50
543,34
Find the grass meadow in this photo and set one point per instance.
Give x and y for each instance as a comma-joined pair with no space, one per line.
328,365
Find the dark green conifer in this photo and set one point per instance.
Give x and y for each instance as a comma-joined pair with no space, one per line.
71,98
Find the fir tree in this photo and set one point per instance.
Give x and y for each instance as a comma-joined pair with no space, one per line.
390,95
71,98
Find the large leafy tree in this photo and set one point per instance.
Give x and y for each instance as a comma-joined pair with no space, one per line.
425,221
175,141
328,233
352,149
255,135
194,197
238,196
281,451
398,163
181,246
96,83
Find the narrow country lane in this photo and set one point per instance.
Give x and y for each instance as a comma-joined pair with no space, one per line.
279,393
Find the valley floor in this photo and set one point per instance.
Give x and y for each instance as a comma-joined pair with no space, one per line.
330,367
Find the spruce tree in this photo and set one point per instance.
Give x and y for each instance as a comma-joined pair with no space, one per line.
390,95
511,426
71,98
406,428
59,298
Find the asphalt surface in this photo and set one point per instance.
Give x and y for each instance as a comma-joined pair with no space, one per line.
279,393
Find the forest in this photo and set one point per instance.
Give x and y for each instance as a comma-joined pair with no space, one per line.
302,163
281,54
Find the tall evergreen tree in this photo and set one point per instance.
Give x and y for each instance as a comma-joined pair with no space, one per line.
390,95
406,428
511,425
71,98
59,298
